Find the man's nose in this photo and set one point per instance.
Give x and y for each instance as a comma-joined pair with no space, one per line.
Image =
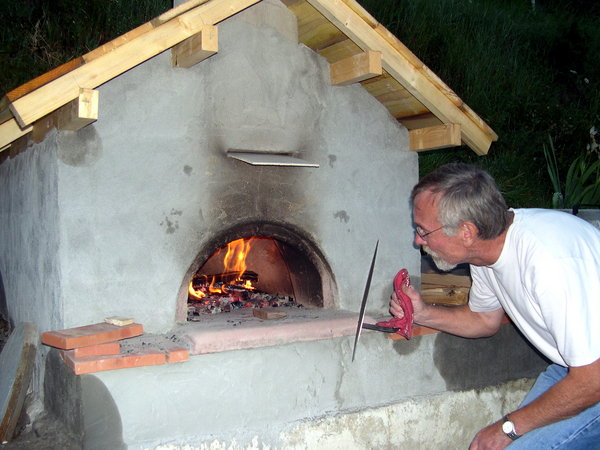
419,240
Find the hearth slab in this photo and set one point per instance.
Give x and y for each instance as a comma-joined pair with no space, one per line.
241,330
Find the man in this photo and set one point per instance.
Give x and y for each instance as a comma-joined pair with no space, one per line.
541,268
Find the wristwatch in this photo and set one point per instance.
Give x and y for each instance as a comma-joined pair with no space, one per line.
509,428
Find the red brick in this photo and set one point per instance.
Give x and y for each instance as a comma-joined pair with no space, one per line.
110,348
177,354
87,335
90,364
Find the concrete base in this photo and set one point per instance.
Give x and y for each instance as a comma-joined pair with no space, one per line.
414,394
449,420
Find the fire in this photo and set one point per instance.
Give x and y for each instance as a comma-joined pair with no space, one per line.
211,287
234,261
198,294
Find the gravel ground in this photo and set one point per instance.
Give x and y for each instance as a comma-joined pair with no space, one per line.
45,434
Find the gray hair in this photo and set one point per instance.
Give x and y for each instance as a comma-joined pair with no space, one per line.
468,194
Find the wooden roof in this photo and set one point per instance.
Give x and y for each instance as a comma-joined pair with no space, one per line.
358,48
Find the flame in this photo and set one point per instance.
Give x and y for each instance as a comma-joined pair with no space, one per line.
235,259
195,293
212,289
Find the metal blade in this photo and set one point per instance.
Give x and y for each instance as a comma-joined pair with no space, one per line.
361,315
370,326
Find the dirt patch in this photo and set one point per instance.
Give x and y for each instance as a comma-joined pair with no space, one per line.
46,433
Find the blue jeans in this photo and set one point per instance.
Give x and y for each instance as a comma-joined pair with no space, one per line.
581,432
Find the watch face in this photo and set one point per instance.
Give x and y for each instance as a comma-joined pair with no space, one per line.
508,427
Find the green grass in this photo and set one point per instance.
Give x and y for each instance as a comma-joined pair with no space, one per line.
39,35
528,73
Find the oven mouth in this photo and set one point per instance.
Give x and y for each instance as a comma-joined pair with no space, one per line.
311,281
282,268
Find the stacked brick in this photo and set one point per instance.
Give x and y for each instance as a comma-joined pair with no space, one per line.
96,347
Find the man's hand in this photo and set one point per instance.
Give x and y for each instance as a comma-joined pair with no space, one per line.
418,304
490,438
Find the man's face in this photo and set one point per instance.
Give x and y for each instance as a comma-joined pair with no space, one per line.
446,251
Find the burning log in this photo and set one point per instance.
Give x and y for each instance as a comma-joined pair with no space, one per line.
223,278
232,289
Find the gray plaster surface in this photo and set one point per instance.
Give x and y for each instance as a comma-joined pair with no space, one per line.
263,392
137,195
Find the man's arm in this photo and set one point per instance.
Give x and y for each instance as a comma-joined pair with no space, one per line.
457,320
579,390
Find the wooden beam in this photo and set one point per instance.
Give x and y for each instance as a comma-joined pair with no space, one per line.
431,138
419,121
196,48
80,112
44,79
99,70
356,68
405,67
11,131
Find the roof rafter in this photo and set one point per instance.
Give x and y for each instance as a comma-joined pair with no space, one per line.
51,96
405,67
358,48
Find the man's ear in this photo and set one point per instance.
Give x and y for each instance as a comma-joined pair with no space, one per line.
468,232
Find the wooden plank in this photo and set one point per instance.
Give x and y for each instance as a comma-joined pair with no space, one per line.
118,42
196,48
356,68
62,90
409,71
418,330
11,131
445,296
399,102
447,280
177,11
17,361
80,112
44,79
144,28
420,121
340,50
314,30
431,138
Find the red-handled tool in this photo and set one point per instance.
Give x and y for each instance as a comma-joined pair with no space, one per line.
405,324
401,326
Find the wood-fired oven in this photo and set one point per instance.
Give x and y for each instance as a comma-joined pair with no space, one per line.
125,216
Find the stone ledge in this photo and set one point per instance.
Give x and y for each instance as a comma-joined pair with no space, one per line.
241,330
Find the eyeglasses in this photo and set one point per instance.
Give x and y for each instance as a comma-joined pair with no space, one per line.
423,234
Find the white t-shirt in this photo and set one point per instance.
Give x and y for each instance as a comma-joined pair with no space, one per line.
547,279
